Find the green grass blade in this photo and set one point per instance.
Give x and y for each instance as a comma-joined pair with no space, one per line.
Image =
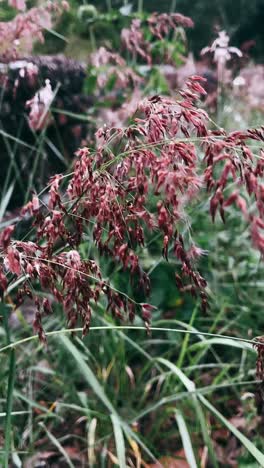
57,445
255,452
122,327
186,440
199,412
14,413
178,372
221,341
98,389
88,374
91,442
74,115
5,200
119,441
184,395
186,339
130,434
204,428
17,140
34,404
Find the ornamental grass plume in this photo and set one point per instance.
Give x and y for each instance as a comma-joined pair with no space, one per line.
139,181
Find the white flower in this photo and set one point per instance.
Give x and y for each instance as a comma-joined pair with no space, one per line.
239,81
222,52
39,107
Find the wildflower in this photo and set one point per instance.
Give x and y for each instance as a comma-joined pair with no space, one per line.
39,105
17,36
222,52
133,40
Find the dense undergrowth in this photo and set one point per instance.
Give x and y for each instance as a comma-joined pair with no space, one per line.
177,384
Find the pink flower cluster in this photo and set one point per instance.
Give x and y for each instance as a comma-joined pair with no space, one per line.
111,64
18,36
159,25
140,180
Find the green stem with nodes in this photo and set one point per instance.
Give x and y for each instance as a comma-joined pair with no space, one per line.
128,327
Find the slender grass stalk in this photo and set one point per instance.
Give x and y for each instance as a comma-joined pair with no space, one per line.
128,327
11,151
186,440
186,339
13,138
140,6
259,456
119,441
57,444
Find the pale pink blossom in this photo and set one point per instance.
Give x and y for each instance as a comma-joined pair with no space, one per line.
39,116
222,52
18,4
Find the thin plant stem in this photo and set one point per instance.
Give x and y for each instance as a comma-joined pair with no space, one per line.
186,339
173,6
131,328
92,38
109,5
140,6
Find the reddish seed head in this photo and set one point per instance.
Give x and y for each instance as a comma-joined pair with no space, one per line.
140,179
